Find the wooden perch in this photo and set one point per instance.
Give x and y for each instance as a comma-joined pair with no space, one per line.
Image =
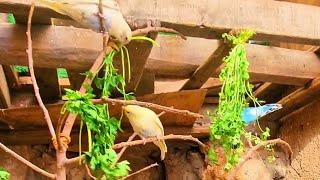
33,77
151,105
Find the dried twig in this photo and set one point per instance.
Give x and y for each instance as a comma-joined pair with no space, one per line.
148,140
124,148
253,149
33,77
149,29
141,170
149,105
26,162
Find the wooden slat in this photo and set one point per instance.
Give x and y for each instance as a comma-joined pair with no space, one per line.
296,100
211,100
76,79
146,84
267,64
280,21
139,53
5,100
48,83
268,92
308,2
52,50
12,76
202,74
32,117
37,137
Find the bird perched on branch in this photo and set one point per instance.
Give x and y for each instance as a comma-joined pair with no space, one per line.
251,114
146,124
86,13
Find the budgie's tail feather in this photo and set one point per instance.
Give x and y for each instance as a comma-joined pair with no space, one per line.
163,148
54,5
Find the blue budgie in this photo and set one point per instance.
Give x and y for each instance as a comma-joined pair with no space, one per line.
251,114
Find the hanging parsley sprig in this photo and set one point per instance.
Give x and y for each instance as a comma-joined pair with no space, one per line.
227,129
4,175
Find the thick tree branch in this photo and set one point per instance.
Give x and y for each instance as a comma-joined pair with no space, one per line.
33,77
253,149
27,163
141,170
149,105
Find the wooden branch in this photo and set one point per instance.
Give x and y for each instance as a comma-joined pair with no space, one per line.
124,148
202,74
148,140
253,149
34,81
150,105
130,143
27,163
88,80
141,170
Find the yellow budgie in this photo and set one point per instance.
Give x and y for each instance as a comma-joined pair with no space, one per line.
146,124
85,12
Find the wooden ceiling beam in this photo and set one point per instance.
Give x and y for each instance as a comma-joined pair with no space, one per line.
209,19
39,136
48,83
5,99
205,70
32,117
51,50
296,100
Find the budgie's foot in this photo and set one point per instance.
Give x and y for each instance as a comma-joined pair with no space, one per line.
113,45
143,139
158,137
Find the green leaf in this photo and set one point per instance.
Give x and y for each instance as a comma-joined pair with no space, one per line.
4,175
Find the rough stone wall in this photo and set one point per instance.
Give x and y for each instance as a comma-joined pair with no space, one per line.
302,131
183,161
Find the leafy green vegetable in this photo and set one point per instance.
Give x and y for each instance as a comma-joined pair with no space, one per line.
102,128
11,19
62,73
227,127
4,175
21,69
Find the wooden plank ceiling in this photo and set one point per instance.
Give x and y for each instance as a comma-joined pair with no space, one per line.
195,63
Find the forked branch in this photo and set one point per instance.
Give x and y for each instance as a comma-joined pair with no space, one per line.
253,149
